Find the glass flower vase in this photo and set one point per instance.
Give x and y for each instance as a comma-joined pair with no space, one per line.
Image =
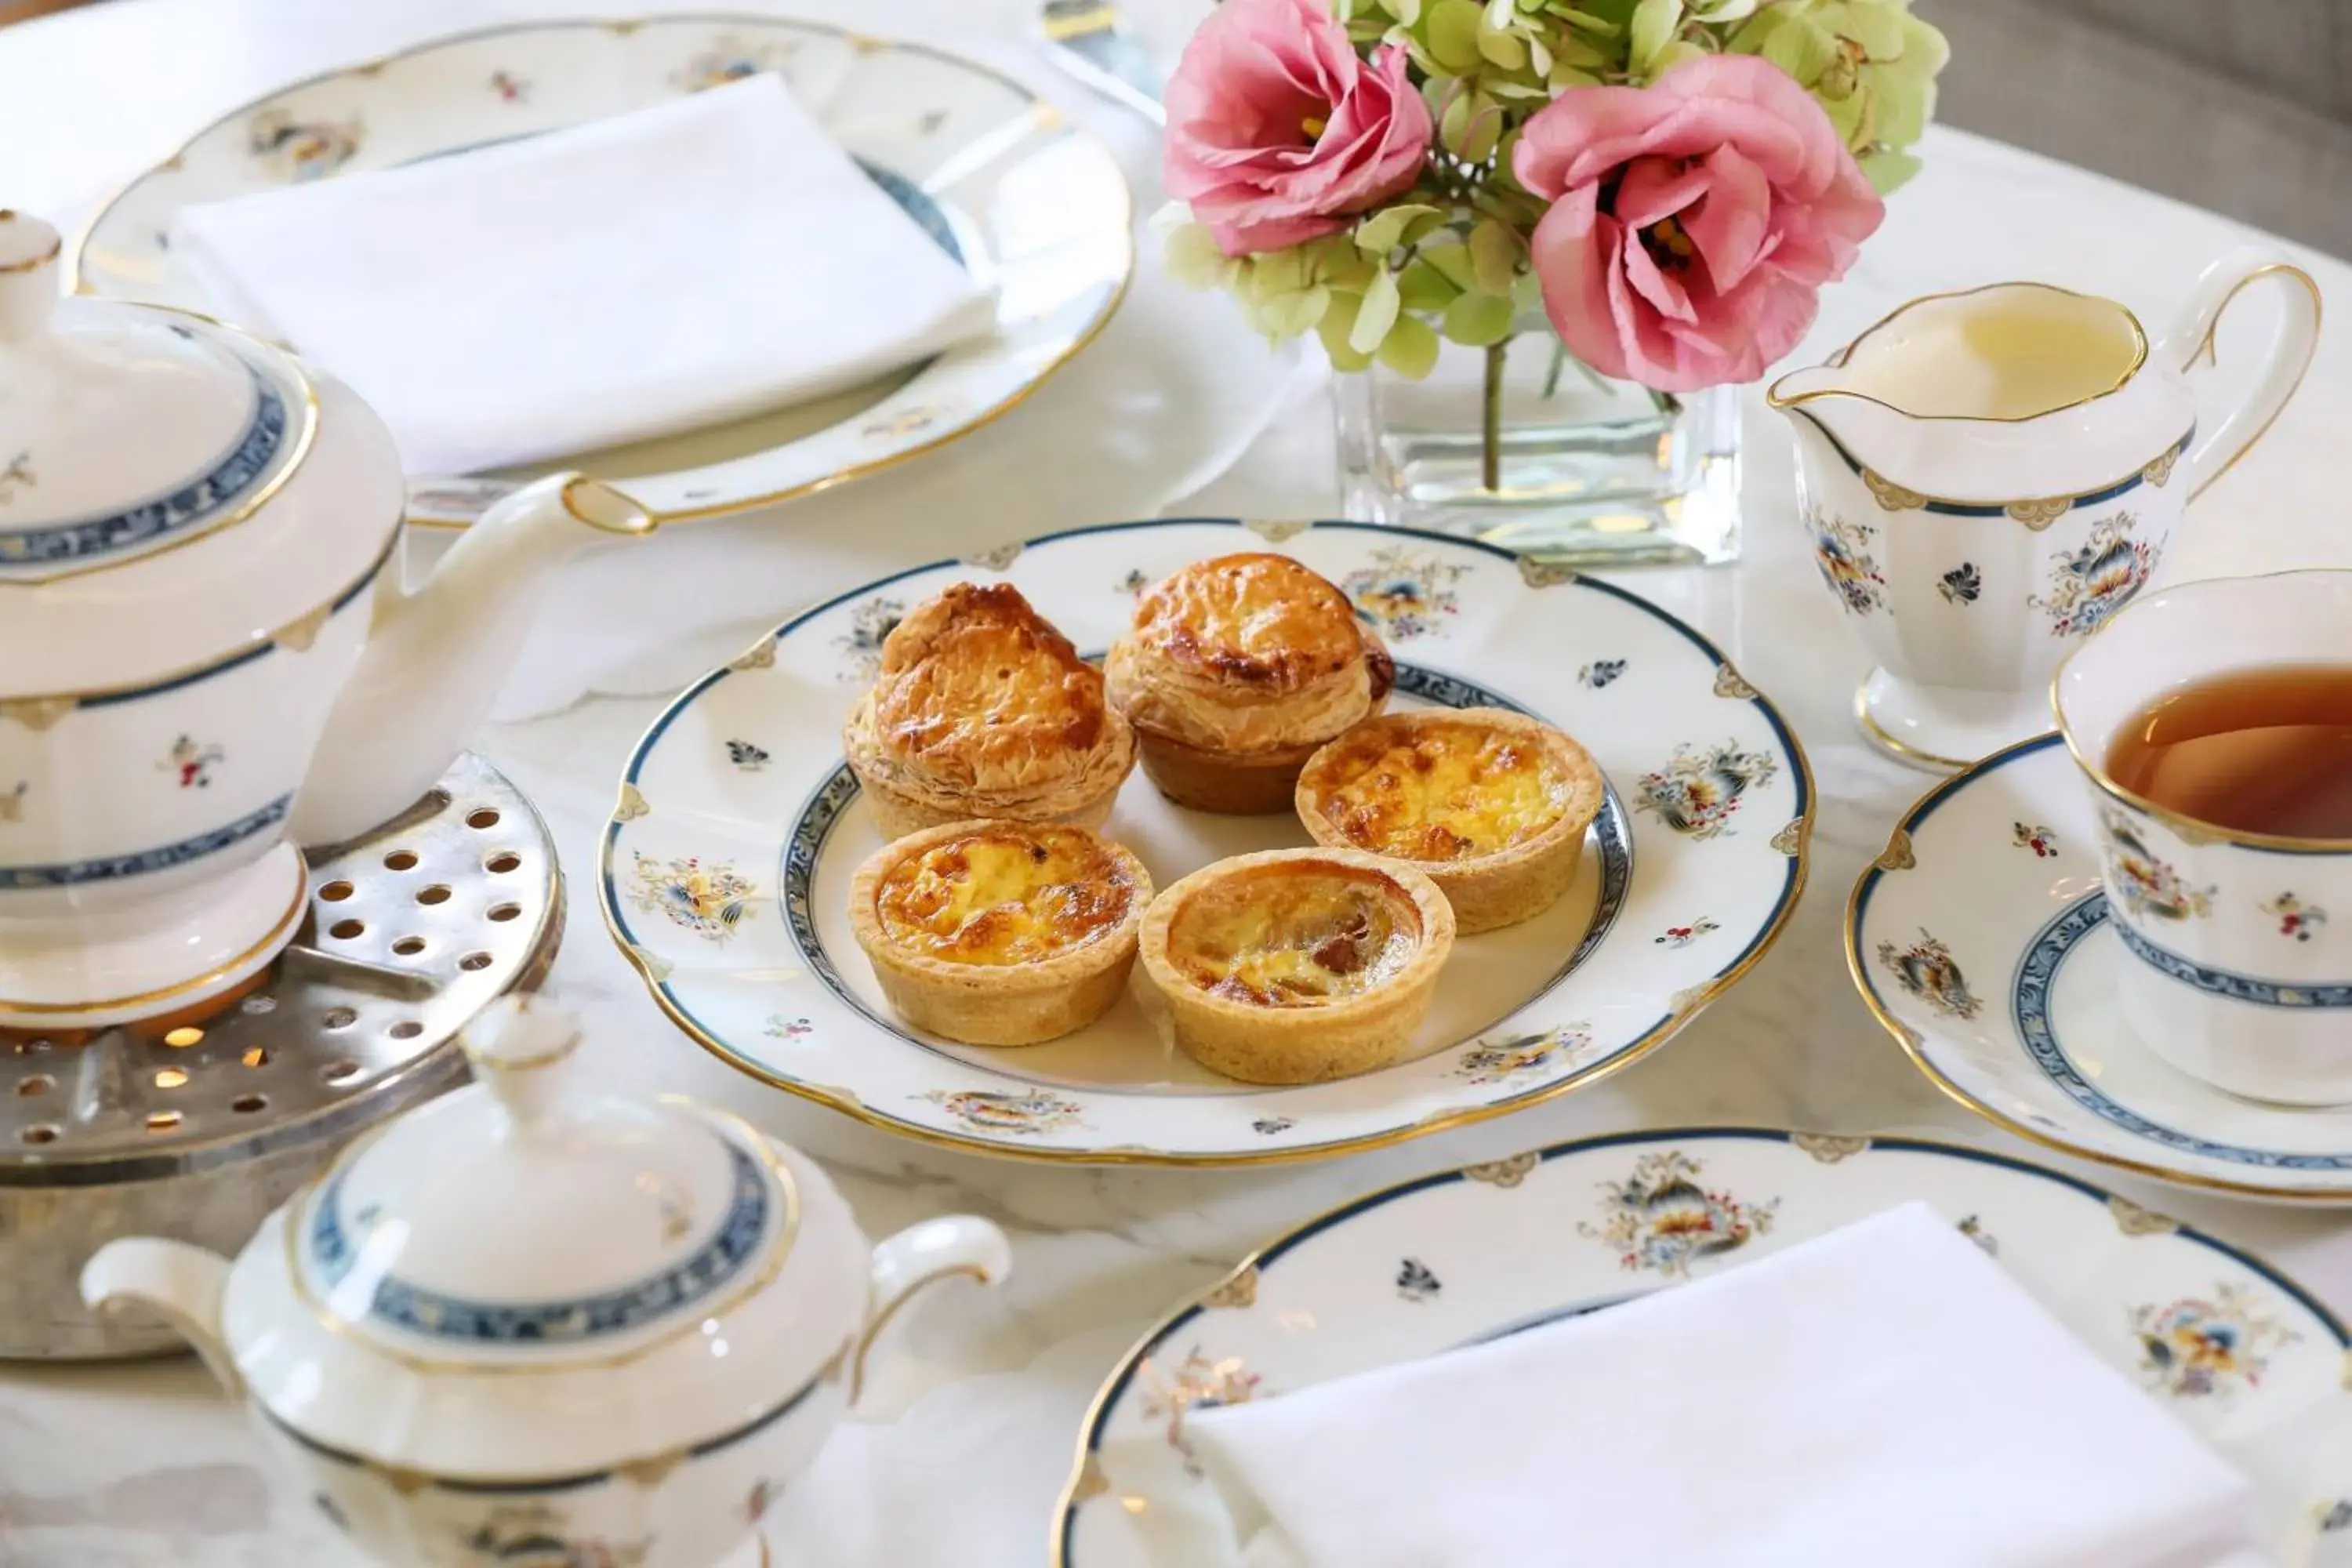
1586,471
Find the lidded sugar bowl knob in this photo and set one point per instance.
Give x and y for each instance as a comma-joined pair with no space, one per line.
528,1315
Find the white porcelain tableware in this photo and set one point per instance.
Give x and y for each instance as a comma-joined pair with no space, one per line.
2241,1354
1988,475
200,654
2236,976
1035,207
1980,938
526,1322
725,870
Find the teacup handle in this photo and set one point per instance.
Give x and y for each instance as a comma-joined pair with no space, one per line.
2191,340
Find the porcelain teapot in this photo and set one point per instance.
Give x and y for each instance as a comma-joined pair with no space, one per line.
1988,476
204,644
525,1323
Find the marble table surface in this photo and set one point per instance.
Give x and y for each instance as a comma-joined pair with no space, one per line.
967,1434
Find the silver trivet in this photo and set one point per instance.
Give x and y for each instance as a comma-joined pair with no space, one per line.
199,1132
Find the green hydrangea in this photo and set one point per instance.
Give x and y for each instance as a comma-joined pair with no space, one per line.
1871,65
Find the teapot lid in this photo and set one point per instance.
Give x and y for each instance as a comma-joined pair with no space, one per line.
128,429
533,1222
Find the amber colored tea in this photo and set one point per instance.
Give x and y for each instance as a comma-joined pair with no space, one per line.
2259,750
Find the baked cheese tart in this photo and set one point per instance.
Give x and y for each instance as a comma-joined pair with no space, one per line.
1297,966
1491,805
1235,671
1000,933
980,709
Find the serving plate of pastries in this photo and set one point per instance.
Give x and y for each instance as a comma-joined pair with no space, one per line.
1206,842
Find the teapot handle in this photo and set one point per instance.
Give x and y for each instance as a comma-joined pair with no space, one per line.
925,1254
2191,341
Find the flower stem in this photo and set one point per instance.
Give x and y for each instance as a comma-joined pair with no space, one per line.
1490,455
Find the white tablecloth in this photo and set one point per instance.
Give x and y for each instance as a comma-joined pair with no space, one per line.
978,1397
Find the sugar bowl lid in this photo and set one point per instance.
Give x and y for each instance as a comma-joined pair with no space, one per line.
128,429
659,1263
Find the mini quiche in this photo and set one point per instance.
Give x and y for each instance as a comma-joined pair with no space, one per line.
1234,670
1000,933
1299,965
980,709
1491,805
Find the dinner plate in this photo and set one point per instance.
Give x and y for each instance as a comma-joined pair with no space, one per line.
725,870
1031,205
1981,940
2240,1354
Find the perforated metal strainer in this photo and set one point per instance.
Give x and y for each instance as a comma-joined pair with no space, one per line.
199,1132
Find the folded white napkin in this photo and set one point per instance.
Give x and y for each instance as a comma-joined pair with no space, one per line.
664,270
1881,1395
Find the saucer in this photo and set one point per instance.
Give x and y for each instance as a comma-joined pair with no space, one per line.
1981,940
995,174
2241,1354
725,871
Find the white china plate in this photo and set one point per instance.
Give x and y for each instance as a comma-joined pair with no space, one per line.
2241,1354
1028,202
1981,940
724,873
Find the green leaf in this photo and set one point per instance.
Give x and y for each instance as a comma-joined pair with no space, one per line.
1377,315
1495,254
1421,287
1333,329
1483,130
1538,61
1193,259
1748,38
1478,319
1450,29
1565,76
1655,22
1507,50
1877,28
1410,349
1383,231
1499,15
1453,259
1288,315
1597,25
1672,55
1888,168
1405,11
1802,48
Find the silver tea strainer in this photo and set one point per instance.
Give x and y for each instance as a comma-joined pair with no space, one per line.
198,1131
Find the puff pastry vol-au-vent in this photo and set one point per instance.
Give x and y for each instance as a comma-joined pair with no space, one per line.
1297,966
1491,805
1234,670
1000,933
980,709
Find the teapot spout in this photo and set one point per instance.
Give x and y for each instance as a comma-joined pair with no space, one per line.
182,1284
436,657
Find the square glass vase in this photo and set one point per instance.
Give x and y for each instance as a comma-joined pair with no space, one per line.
1590,472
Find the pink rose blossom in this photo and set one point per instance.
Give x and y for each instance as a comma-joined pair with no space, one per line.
1278,132
1693,221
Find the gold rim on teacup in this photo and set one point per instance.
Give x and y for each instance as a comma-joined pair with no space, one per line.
2190,829
1773,396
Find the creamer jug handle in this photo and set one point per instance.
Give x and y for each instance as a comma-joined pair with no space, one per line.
2189,346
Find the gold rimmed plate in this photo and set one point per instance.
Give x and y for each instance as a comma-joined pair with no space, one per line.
995,176
725,869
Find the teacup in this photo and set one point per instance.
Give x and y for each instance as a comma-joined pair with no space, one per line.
2235,974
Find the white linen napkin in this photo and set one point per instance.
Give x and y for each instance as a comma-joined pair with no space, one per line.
657,271
1882,1394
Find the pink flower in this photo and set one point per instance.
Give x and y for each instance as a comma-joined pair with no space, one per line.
1692,221
1278,132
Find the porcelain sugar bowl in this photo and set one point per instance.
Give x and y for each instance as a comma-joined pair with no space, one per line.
205,646
525,1323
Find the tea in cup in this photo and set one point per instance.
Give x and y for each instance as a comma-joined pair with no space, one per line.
2213,723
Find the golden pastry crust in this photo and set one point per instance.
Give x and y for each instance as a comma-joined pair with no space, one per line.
1491,805
1297,966
1000,933
981,709
1234,670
